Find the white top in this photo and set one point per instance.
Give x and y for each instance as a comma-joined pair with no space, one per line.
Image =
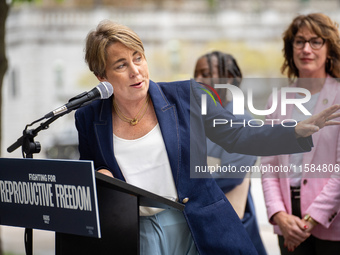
296,159
144,163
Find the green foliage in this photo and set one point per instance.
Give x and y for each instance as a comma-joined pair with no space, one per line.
21,1
34,1
211,4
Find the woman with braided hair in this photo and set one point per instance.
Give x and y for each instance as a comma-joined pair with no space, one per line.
220,68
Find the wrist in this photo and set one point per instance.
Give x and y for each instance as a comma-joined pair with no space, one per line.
308,218
276,218
297,131
105,171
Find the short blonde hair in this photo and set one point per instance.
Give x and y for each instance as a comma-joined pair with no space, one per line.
98,40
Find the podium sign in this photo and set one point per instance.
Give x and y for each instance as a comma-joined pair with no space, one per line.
57,195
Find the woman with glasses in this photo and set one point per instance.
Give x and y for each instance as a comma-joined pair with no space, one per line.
303,205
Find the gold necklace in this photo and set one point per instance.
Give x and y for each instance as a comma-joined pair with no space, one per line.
135,120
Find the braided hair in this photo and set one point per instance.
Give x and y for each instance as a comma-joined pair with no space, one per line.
228,71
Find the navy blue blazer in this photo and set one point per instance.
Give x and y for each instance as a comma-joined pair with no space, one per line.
215,227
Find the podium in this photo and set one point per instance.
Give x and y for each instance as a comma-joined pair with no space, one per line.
118,204
89,212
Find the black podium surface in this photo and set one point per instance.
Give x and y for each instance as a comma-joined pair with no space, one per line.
118,204
91,213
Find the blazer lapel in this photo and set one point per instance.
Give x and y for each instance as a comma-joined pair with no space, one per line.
104,136
289,106
325,100
168,121
289,112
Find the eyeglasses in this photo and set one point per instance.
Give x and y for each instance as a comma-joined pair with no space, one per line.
316,43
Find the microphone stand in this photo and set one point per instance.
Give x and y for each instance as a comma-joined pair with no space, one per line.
29,147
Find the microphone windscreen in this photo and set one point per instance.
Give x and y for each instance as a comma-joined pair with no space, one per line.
106,90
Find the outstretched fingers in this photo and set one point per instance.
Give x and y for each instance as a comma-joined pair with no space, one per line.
330,119
327,113
316,122
325,118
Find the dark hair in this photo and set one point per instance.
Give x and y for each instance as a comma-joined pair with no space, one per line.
322,26
227,68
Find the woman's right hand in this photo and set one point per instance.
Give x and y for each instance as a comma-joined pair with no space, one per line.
316,122
292,228
106,172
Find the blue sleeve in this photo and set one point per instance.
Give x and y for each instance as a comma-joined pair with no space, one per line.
260,141
228,181
232,161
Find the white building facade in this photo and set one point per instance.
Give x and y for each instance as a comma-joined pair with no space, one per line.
45,50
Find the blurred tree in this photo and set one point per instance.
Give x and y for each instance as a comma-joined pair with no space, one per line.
212,4
4,8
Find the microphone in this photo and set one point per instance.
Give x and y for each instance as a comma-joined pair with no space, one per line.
103,91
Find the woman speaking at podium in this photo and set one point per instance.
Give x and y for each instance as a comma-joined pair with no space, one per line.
152,135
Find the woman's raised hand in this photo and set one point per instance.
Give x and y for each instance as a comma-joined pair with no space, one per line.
316,122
